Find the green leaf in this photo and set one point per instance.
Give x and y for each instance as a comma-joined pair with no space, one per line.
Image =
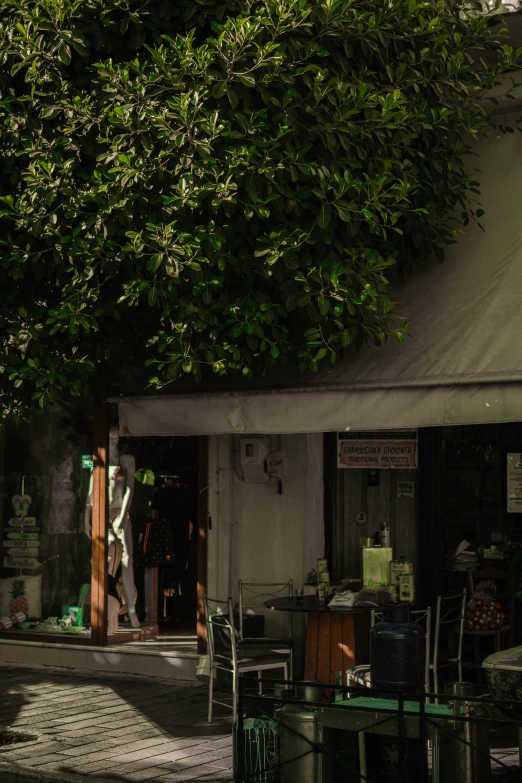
323,218
64,54
154,262
246,79
344,214
219,89
232,97
324,304
291,302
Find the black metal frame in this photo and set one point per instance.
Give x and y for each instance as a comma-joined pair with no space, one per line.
425,719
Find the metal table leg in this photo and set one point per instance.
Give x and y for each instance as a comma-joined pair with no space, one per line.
435,755
363,769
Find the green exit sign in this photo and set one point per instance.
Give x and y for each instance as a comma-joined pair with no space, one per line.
87,461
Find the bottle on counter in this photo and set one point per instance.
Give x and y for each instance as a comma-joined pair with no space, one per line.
385,534
398,568
322,566
407,588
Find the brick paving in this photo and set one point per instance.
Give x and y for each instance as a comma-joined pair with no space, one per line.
126,729
118,728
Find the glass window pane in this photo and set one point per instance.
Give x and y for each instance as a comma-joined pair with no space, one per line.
45,570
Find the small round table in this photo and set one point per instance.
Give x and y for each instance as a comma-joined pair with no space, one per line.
336,639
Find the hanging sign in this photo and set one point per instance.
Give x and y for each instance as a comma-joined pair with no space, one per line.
87,461
22,542
21,562
405,489
514,483
378,449
22,522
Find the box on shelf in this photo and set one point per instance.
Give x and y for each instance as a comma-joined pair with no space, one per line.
76,612
376,565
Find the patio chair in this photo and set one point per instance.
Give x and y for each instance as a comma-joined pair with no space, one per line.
449,615
505,582
252,595
226,656
361,675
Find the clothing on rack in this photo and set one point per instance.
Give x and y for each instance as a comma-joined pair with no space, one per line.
173,502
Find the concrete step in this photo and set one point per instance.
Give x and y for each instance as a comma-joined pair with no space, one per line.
156,661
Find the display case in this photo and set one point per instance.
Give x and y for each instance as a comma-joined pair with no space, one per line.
45,566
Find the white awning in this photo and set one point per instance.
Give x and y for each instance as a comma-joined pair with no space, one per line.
464,365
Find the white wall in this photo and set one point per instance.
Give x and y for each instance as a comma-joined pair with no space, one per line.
258,535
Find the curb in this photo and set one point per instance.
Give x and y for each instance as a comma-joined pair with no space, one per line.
12,773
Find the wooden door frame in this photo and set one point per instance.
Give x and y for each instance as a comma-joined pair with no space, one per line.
204,524
100,516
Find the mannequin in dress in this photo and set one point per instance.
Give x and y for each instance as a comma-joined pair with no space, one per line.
122,468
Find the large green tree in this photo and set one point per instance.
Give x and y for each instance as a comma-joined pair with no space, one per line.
223,184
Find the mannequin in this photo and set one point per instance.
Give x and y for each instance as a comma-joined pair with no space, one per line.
122,468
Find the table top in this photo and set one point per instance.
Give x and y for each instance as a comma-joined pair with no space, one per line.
308,603
411,707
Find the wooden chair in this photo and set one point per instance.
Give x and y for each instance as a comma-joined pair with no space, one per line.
505,581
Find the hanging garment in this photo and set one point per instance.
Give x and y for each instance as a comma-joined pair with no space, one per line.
63,513
157,547
174,503
139,511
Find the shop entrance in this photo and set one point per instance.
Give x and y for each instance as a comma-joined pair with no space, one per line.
168,544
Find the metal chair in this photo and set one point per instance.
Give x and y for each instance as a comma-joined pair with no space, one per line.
360,675
449,614
225,656
505,579
252,596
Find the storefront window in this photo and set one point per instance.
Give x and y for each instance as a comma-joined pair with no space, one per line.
474,496
45,572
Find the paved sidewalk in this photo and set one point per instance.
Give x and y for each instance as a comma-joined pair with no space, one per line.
118,728
125,729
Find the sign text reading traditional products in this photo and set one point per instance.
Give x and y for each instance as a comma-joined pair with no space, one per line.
377,449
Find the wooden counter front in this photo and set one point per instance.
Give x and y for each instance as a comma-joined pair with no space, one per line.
336,641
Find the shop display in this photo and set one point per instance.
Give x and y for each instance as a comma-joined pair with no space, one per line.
406,588
157,544
54,625
22,593
385,534
76,614
398,568
63,514
18,601
45,556
376,566
16,618
172,503
483,613
22,547
122,468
